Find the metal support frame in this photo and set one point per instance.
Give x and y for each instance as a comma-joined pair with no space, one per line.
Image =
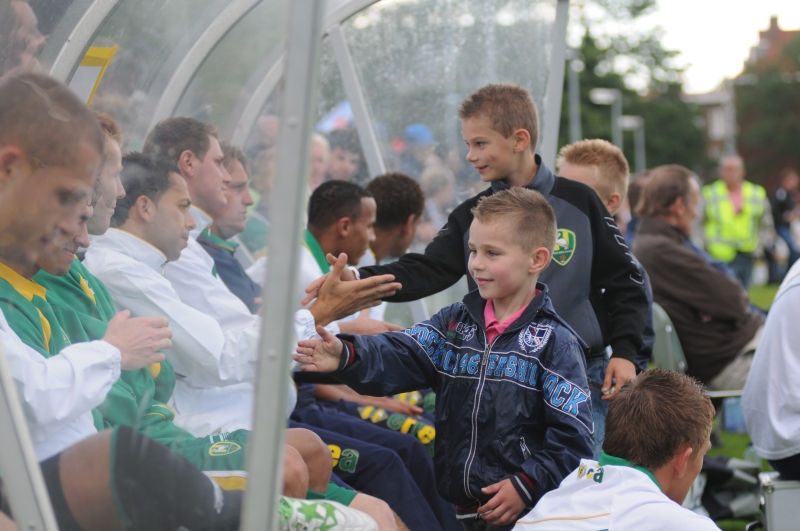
21,474
355,94
196,55
265,458
555,85
254,96
76,31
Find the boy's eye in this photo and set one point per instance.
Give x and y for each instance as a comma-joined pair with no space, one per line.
472,251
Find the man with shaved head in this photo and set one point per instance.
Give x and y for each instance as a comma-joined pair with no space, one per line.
735,211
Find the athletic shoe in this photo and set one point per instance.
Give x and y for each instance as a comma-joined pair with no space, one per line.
321,515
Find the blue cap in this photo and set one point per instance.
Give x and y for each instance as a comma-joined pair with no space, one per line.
418,134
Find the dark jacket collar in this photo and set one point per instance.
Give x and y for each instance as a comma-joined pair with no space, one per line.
659,227
542,183
541,302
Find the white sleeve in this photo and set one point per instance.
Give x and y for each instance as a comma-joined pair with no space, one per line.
193,280
202,353
56,391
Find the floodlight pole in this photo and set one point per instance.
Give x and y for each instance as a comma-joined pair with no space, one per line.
613,97
278,341
575,133
635,124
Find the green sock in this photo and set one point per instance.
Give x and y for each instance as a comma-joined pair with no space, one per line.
339,494
314,495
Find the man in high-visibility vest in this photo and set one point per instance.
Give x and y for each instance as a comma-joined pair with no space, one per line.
734,209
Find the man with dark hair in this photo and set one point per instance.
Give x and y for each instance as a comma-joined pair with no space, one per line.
717,327
400,203
657,432
345,154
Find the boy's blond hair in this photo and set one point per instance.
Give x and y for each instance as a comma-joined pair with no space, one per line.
507,105
612,166
526,213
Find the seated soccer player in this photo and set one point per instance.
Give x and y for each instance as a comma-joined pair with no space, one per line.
227,223
770,402
601,166
717,327
504,344
657,432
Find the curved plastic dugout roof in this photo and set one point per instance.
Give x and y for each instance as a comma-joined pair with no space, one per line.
397,62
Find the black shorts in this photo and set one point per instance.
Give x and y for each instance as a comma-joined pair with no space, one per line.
66,521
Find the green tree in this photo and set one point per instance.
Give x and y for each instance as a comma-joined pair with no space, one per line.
672,134
768,116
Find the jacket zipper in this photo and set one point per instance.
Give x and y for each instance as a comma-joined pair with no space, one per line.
474,419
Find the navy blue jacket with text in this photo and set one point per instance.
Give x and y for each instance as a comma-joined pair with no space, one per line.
519,408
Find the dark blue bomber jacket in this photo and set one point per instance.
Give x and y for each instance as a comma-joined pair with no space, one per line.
518,408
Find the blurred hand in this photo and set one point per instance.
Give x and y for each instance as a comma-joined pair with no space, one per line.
619,372
138,339
337,299
505,506
320,355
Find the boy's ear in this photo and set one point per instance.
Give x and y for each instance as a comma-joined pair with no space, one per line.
613,202
540,260
522,140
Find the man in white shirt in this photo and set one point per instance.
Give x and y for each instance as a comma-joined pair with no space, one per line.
657,432
771,400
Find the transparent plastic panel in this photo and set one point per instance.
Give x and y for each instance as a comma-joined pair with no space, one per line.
151,35
24,27
417,60
224,78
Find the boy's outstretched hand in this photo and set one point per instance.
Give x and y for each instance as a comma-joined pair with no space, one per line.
319,355
506,505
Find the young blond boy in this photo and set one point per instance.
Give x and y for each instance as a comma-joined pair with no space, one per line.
602,166
513,413
598,164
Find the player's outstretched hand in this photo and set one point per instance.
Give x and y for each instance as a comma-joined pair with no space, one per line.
506,505
320,355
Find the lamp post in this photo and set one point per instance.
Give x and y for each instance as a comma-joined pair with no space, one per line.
613,97
574,66
635,124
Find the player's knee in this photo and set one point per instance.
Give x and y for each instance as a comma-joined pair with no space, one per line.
295,474
378,509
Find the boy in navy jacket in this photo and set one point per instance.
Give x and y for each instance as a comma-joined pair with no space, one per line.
513,412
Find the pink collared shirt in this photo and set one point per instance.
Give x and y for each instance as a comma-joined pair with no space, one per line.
495,328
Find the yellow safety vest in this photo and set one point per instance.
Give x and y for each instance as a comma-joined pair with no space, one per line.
726,231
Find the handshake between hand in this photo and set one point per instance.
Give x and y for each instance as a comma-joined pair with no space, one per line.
320,355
